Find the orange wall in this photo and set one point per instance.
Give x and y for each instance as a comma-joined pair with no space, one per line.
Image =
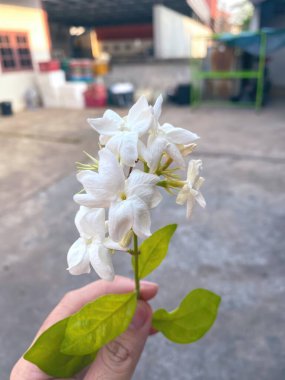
14,85
31,20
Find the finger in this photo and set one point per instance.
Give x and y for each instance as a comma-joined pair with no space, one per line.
76,299
152,331
118,360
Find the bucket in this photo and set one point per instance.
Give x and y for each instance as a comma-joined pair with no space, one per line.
6,108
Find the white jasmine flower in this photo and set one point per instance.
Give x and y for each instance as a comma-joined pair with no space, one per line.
129,199
190,191
166,139
121,135
92,246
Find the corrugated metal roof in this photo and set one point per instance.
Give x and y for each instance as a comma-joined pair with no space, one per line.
108,12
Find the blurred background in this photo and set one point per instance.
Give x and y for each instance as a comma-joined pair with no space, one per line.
220,67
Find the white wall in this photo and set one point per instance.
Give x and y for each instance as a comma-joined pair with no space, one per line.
32,20
174,34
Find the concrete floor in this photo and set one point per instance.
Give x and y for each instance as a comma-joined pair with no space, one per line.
235,247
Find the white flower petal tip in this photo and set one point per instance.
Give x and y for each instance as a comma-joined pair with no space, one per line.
104,125
157,107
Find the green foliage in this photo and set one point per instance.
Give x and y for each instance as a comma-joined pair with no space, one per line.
45,353
154,249
191,320
98,322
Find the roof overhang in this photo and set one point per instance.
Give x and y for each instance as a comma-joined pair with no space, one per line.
92,13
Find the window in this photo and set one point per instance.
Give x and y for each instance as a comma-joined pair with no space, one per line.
15,52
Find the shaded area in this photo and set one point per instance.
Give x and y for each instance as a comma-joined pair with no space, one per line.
108,12
235,247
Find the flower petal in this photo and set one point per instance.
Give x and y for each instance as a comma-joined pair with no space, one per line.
101,261
189,206
105,125
110,172
201,200
157,107
172,150
137,108
142,123
110,244
155,199
77,258
182,195
193,171
142,185
120,219
142,151
111,115
88,200
99,192
142,221
104,139
90,222
178,135
138,178
125,146
156,145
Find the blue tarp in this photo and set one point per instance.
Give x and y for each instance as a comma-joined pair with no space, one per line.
250,41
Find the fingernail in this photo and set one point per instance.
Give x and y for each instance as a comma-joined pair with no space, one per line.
148,284
140,316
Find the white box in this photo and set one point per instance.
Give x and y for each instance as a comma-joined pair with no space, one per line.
49,85
51,78
71,95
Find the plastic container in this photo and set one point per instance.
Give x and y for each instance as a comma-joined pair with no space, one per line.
101,64
80,70
96,95
6,108
121,94
52,65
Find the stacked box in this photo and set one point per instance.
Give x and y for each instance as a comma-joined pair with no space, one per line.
49,84
72,95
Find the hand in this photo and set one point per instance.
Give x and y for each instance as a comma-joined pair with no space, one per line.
118,359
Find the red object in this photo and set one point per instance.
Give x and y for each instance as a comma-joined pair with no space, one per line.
96,96
143,31
52,65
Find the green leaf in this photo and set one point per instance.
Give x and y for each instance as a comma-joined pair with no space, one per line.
45,353
98,322
191,320
154,249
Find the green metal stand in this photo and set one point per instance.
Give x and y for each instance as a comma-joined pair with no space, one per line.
198,75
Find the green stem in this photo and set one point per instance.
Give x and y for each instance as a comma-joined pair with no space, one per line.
136,256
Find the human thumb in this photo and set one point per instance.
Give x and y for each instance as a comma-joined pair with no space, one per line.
118,359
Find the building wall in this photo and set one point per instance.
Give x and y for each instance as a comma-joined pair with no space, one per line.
178,36
33,20
154,76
